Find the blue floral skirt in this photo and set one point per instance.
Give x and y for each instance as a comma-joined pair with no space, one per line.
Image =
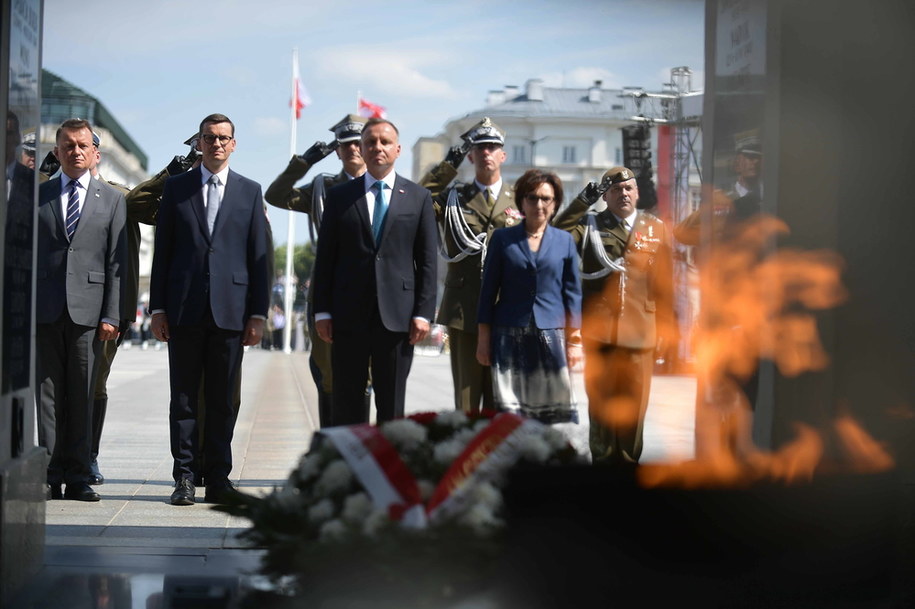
531,375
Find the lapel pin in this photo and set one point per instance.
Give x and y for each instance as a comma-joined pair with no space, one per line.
400,190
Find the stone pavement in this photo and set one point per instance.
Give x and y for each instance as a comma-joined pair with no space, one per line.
139,541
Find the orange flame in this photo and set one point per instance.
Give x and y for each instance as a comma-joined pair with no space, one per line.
758,302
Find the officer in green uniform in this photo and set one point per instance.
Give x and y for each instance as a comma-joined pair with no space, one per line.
627,286
130,288
309,199
467,215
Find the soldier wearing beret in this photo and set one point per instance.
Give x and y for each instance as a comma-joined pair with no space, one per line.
627,278
467,215
309,199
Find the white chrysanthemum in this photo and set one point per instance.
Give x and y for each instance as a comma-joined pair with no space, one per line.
480,518
321,511
332,530
485,493
336,476
534,448
288,498
404,433
356,508
451,418
377,520
447,451
426,488
481,425
309,466
465,435
555,438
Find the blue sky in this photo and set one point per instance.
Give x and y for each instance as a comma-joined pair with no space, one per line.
162,65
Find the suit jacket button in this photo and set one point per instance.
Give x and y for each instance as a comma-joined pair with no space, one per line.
211,249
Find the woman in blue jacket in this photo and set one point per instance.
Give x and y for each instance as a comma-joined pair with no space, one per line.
530,307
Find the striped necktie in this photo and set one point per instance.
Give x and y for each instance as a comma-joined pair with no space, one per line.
72,209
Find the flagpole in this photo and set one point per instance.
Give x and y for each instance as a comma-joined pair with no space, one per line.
290,231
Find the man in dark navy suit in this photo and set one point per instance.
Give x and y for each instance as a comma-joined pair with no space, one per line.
374,279
208,297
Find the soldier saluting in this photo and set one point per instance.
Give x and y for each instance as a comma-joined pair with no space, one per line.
309,199
627,288
467,215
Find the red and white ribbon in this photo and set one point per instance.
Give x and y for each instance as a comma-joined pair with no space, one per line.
386,478
491,452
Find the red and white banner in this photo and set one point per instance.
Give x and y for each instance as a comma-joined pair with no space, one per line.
386,478
490,453
370,110
300,97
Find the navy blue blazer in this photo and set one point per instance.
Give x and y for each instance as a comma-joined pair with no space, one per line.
352,274
226,271
519,285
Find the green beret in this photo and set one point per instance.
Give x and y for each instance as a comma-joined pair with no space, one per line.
618,174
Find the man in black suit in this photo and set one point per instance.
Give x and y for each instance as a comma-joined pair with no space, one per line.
209,298
81,245
374,279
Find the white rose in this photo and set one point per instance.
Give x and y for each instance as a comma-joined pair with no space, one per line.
404,433
452,418
555,438
375,522
309,466
332,530
321,511
447,451
336,476
534,448
356,508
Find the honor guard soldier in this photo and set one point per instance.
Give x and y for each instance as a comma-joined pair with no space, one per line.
627,287
467,215
309,199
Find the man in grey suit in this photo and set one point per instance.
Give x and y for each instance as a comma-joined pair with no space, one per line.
81,245
208,296
374,279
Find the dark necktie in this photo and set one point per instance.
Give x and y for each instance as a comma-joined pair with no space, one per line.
488,196
72,209
212,201
381,208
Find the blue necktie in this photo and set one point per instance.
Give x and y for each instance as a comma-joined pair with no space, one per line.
72,209
381,208
212,201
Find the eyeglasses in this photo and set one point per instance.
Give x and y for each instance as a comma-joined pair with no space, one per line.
535,199
209,138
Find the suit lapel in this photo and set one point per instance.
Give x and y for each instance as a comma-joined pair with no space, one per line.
54,190
195,184
362,206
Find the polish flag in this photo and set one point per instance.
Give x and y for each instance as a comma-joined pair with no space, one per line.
370,110
300,97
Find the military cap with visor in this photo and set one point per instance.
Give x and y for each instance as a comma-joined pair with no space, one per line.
349,129
484,132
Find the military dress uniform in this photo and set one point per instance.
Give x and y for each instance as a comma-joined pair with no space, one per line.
309,199
625,314
483,213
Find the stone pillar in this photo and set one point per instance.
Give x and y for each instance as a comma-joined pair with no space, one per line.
22,463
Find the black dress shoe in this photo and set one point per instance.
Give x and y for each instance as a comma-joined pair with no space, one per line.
96,477
54,492
81,492
184,492
220,493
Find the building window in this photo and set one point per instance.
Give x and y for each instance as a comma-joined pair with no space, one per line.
619,156
519,155
568,154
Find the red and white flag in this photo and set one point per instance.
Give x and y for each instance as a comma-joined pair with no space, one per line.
370,110
300,97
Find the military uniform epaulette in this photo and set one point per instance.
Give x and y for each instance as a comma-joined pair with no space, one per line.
118,185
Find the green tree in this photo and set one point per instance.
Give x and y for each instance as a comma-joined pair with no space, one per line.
303,259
